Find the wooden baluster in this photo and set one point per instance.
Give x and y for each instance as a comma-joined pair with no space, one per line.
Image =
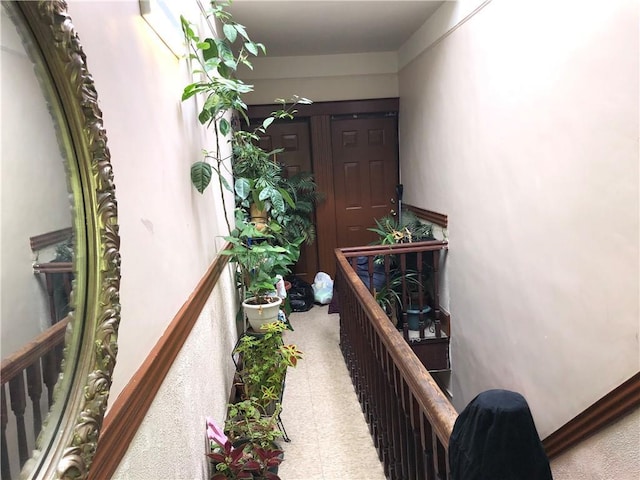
436,293
52,304
50,373
34,388
6,469
440,460
387,275
426,440
18,406
372,288
405,296
421,302
417,441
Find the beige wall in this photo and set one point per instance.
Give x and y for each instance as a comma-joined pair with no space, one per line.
323,77
521,124
169,233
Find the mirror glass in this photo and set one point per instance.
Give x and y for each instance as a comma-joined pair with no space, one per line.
37,240
59,305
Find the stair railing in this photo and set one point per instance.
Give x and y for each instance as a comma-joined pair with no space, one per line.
27,371
409,417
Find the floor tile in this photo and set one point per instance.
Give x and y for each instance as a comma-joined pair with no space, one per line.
329,436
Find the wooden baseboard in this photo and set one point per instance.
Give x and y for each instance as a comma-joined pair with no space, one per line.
428,215
605,411
125,416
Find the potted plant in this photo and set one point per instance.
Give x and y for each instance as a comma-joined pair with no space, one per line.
239,459
259,186
259,262
262,360
407,229
247,422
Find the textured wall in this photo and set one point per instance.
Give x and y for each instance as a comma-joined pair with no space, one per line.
612,453
171,441
522,125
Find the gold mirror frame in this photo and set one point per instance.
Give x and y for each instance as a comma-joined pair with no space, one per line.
68,441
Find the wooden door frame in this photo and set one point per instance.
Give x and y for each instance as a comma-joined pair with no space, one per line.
319,115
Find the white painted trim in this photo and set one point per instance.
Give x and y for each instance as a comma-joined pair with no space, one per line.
445,20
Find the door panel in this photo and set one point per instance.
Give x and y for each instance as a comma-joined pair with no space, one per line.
365,164
293,137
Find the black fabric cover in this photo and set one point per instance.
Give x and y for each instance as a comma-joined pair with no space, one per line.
494,438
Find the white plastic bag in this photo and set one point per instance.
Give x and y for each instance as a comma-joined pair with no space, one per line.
322,288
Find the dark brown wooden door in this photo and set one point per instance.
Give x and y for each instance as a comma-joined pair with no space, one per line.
365,166
293,138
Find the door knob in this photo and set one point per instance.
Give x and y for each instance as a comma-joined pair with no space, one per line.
393,200
392,212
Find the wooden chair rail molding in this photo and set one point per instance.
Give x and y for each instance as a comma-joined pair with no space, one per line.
50,238
605,411
125,416
428,216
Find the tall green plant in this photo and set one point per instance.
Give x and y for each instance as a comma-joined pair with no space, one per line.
216,62
257,176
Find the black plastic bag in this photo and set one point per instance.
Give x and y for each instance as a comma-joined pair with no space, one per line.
300,295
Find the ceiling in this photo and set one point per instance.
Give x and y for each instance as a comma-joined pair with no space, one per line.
309,27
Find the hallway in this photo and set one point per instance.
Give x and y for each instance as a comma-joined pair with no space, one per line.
329,437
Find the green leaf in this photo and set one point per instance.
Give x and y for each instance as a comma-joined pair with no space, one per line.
274,196
266,122
201,175
211,51
287,198
243,187
187,30
251,47
204,116
241,30
190,90
225,54
230,32
224,182
224,126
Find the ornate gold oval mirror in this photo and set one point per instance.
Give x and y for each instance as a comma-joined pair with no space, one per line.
60,261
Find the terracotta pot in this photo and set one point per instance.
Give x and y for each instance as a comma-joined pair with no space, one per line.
258,217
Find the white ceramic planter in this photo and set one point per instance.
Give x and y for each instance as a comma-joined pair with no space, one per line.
258,315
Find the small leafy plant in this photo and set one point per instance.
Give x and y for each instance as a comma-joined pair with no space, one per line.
241,459
258,260
263,363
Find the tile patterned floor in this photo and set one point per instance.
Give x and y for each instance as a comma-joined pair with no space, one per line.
329,437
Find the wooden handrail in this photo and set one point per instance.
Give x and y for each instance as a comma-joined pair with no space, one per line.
608,409
17,362
53,267
426,246
432,401
409,417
